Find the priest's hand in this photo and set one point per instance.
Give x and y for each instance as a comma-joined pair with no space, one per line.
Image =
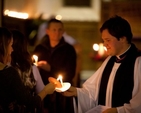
72,91
110,110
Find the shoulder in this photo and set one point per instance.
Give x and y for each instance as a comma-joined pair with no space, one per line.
67,45
138,59
10,69
70,48
11,73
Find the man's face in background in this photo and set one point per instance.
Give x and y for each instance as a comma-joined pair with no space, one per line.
55,31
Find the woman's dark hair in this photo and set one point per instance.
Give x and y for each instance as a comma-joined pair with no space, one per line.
5,38
118,27
20,55
21,58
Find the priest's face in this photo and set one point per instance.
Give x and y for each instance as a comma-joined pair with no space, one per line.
113,45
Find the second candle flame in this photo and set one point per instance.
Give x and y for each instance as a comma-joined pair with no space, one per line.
36,59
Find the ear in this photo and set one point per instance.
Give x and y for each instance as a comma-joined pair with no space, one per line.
123,39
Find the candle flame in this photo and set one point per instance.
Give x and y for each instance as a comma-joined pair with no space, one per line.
100,48
60,78
36,59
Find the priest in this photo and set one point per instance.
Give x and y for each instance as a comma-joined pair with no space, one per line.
116,86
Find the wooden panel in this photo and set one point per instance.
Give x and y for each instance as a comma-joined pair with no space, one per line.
130,11
87,33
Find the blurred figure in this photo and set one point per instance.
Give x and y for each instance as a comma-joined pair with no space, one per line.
11,87
22,62
69,39
56,57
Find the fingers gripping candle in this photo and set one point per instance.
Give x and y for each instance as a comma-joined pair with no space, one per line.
60,85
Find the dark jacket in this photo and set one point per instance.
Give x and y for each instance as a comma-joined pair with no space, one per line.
62,59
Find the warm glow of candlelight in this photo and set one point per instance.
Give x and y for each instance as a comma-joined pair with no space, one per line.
65,85
100,48
16,14
96,47
60,78
36,59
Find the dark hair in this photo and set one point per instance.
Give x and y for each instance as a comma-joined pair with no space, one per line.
53,20
21,58
20,54
118,27
5,38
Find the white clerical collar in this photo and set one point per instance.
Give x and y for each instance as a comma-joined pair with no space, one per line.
118,56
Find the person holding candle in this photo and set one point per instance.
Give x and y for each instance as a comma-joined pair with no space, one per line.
116,86
12,88
69,39
56,57
22,62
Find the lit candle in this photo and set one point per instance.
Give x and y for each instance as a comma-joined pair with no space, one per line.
60,78
61,86
101,50
36,59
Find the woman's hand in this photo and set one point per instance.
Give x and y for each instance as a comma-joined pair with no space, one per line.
55,82
49,88
72,91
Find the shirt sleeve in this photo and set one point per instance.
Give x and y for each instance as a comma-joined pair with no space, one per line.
39,83
135,102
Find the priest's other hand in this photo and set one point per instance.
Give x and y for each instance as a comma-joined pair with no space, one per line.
72,91
110,110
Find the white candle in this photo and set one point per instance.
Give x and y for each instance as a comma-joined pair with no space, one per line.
65,85
36,59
